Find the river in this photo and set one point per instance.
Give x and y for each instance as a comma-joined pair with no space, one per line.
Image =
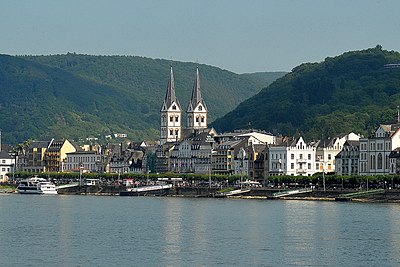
170,231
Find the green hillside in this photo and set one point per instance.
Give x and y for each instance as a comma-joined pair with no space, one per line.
77,96
350,92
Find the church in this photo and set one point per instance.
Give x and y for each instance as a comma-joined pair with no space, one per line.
184,149
171,112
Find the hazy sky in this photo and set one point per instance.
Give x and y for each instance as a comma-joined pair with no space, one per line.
241,36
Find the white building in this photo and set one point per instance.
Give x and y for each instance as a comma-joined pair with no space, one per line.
375,151
171,114
328,149
347,161
292,157
7,164
85,161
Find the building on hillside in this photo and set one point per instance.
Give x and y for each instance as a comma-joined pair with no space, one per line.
328,149
7,163
223,160
34,159
293,156
394,158
375,151
259,162
347,161
56,154
82,161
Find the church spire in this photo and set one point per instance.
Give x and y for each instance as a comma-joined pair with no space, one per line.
196,94
197,114
170,96
171,114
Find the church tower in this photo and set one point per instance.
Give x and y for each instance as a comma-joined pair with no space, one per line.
197,113
171,114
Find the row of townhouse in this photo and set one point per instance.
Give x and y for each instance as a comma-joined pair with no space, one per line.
251,154
376,155
64,156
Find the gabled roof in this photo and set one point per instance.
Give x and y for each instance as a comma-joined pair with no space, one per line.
39,144
196,94
390,129
4,155
170,96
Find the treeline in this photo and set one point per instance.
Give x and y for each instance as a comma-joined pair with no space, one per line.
353,92
77,96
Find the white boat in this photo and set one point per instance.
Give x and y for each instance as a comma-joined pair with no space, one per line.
157,190
36,185
48,188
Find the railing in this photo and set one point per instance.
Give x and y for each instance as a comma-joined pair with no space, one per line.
292,192
362,193
301,170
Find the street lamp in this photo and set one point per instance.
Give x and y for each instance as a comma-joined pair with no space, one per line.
210,139
323,175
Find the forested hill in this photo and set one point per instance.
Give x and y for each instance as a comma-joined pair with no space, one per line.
77,96
350,92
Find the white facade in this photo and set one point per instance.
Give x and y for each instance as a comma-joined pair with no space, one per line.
6,166
86,161
297,158
328,149
171,127
260,138
375,151
197,118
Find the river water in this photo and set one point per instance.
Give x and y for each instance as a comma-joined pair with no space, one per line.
150,231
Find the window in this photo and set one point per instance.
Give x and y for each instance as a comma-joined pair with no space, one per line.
329,156
309,166
301,156
176,132
3,161
200,108
380,161
176,118
171,119
292,166
292,156
171,132
197,119
202,119
309,156
317,166
174,107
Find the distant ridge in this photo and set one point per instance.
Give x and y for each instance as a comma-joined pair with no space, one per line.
78,96
352,92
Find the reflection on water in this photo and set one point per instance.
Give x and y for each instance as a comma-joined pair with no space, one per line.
142,231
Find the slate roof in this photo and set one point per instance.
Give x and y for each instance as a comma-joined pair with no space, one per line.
196,94
170,96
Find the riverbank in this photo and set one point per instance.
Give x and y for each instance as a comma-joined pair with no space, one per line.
383,196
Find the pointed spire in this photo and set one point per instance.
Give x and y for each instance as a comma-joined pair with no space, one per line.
170,96
196,93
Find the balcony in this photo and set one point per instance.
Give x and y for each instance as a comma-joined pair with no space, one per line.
301,161
301,170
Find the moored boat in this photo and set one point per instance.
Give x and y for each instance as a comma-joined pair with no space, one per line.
151,190
36,185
